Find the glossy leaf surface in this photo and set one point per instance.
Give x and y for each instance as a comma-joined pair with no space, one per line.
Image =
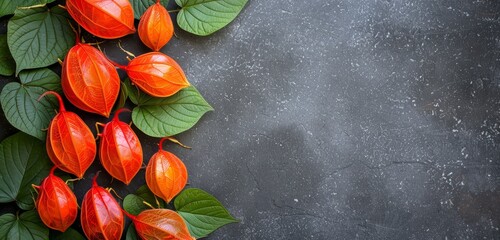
101,215
160,224
204,17
202,212
166,174
23,161
120,150
156,74
156,27
8,66
70,143
8,7
26,226
105,18
20,101
160,117
56,203
28,38
89,80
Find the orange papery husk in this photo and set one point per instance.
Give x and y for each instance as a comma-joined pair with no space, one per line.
89,80
156,27
101,215
154,224
156,74
120,149
108,19
70,143
166,175
56,203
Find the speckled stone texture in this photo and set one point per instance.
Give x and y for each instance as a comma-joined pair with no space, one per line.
359,119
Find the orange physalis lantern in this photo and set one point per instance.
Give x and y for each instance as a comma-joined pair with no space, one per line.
56,203
104,18
156,27
160,224
120,150
166,174
101,215
70,143
89,80
156,74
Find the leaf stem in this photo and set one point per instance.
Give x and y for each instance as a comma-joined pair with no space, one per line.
148,204
174,11
125,51
178,142
97,124
31,7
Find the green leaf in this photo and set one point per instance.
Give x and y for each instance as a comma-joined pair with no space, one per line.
37,37
7,66
23,161
134,203
140,6
132,91
204,17
27,226
70,233
131,233
20,101
202,212
161,117
122,97
9,6
136,95
145,193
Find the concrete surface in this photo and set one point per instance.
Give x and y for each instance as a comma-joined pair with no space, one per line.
336,119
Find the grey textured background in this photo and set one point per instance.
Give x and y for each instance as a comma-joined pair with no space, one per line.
355,119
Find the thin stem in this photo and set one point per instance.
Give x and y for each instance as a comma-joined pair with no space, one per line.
115,118
31,7
97,124
160,145
61,104
73,180
52,170
77,33
35,187
94,180
125,51
174,11
177,141
117,64
148,204
128,215
112,190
